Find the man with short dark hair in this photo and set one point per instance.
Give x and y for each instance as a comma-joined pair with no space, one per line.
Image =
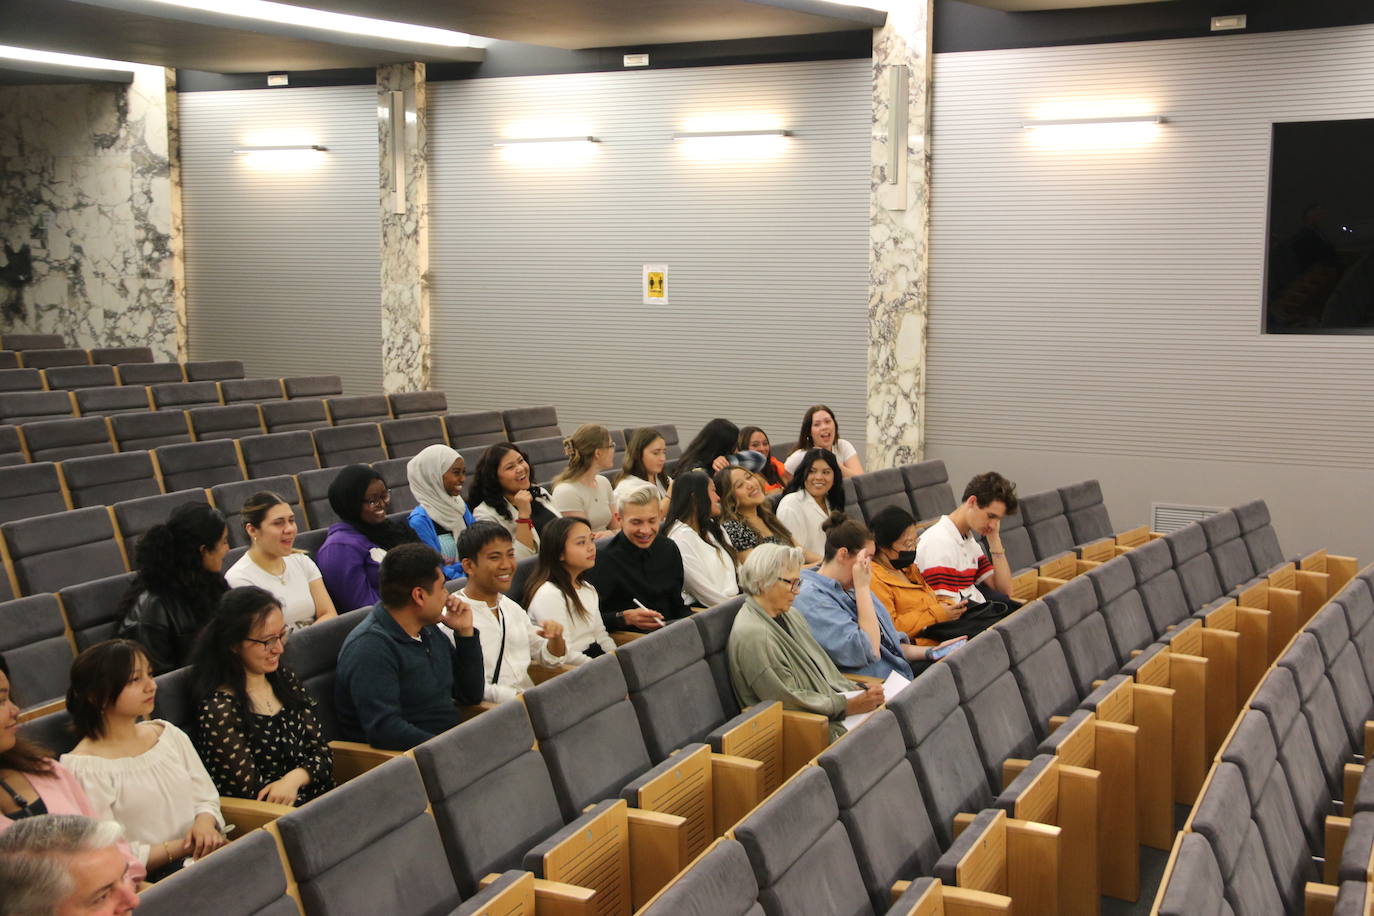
398,676
638,575
949,556
64,865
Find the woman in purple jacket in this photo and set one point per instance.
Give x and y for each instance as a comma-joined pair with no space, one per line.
352,552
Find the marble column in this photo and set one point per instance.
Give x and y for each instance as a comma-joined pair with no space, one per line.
405,227
899,222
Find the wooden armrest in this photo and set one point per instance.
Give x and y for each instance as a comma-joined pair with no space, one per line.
804,736
737,787
354,758
1351,774
1319,899
541,673
36,711
1045,584
620,637
248,814
1368,740
658,851
554,898
961,902
1336,829
1033,851
1011,768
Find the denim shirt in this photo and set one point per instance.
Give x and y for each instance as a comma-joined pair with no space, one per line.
833,615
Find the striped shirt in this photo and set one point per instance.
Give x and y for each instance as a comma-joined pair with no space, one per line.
951,563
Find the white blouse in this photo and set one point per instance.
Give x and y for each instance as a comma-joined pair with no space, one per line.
522,646
483,511
291,588
549,604
844,450
708,573
156,796
803,516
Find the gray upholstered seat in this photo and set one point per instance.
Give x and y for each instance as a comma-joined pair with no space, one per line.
851,500
21,380
112,400
32,341
251,390
314,486
313,386
70,378
1357,602
34,644
198,464
310,541
1318,701
9,359
1345,670
418,403
214,370
18,407
877,490
225,879
52,732
1277,698
149,429
30,489
288,416
57,440
135,516
1045,522
1017,543
1359,846
174,701
342,445
279,453
57,356
393,472
1223,818
714,626
1195,887
230,497
92,607
927,486
115,356
232,421
52,551
1229,554
104,480
184,395
1086,512
525,423
1121,606
1257,531
312,654
483,427
720,883
989,693
141,373
407,436
547,458
1038,663
369,846
1082,632
523,569
362,408
11,452
1163,590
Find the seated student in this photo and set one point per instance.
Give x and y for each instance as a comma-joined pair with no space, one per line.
436,476
820,429
816,491
557,593
270,563
899,585
954,565
710,449
398,676
744,513
754,439
510,640
503,492
255,725
178,585
646,455
773,655
579,491
351,555
65,865
33,784
143,774
708,559
638,574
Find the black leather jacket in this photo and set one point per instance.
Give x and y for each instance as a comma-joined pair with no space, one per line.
166,626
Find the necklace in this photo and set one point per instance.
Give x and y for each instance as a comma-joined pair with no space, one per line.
280,577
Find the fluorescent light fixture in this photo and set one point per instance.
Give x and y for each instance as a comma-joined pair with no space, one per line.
518,141
29,55
292,148
1077,122
708,134
285,14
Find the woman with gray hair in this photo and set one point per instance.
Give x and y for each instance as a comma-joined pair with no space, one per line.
64,863
773,655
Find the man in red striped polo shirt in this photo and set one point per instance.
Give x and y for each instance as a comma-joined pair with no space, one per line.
948,553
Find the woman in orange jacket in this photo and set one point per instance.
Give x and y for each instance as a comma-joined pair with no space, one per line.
897,583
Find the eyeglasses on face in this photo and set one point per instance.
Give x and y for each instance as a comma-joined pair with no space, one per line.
794,584
377,501
271,641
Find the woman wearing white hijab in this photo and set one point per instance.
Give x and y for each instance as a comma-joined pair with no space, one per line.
436,477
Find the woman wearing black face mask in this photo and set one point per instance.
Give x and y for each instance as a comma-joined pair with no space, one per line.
897,583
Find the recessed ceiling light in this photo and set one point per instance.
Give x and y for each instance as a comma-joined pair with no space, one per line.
285,14
29,55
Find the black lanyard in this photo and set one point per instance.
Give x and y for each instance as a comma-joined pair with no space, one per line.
501,653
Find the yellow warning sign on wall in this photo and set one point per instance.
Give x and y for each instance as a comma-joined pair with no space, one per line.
655,285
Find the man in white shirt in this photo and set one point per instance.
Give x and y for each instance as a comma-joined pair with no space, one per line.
511,642
64,864
949,555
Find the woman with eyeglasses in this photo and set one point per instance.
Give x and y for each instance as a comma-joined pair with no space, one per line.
352,552
255,725
271,563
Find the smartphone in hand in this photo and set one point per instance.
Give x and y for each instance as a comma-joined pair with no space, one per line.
945,648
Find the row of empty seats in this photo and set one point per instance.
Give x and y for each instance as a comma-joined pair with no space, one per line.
95,374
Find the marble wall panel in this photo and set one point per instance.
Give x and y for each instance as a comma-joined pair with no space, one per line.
405,230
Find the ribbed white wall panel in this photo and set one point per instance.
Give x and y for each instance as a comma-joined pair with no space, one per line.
536,270
283,266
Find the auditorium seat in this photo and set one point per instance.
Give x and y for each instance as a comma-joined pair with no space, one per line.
245,878
1317,700
11,450
184,395
1223,818
1086,512
116,356
9,359
198,464
313,386
18,407
393,472
69,378
141,373
342,445
32,341
467,430
21,380
877,490
214,370
927,486
547,458
230,497
714,626
525,423
1257,531
314,486
251,390
92,608
1195,887
49,552
34,644
112,400
308,541
232,422
104,480
136,516
418,403
288,416
58,356
51,731
851,500
364,408
278,453
409,436
149,429
31,489
1278,700
1345,670
55,440
720,883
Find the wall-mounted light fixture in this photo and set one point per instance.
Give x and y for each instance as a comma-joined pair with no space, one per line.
290,148
521,141
1087,125
707,134
1078,122
548,152
728,143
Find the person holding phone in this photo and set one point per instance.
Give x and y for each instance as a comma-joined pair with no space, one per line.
898,583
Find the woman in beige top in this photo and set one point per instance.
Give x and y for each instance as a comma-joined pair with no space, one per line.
580,491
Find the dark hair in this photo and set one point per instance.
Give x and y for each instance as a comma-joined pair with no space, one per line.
770,467
804,440
990,487
486,486
99,675
215,664
717,438
549,567
691,505
728,510
404,569
479,535
633,466
169,560
834,497
346,495
255,510
889,524
25,756
841,531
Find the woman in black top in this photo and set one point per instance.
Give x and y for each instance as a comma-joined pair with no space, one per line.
179,584
255,725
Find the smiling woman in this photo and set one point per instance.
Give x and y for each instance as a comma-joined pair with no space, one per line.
270,562
503,492
352,552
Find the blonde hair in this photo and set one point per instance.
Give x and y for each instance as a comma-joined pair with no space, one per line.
581,448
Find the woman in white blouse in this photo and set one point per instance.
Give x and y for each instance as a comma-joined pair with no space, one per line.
816,490
708,559
646,455
820,429
557,592
580,491
143,774
272,564
503,492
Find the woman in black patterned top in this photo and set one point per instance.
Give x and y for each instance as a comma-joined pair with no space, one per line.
256,729
744,513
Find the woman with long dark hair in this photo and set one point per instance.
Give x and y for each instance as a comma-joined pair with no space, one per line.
255,725
744,513
754,439
710,449
708,559
556,590
503,492
178,585
820,429
816,490
352,552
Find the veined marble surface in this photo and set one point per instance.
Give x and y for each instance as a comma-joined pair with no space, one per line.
405,234
86,180
899,222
